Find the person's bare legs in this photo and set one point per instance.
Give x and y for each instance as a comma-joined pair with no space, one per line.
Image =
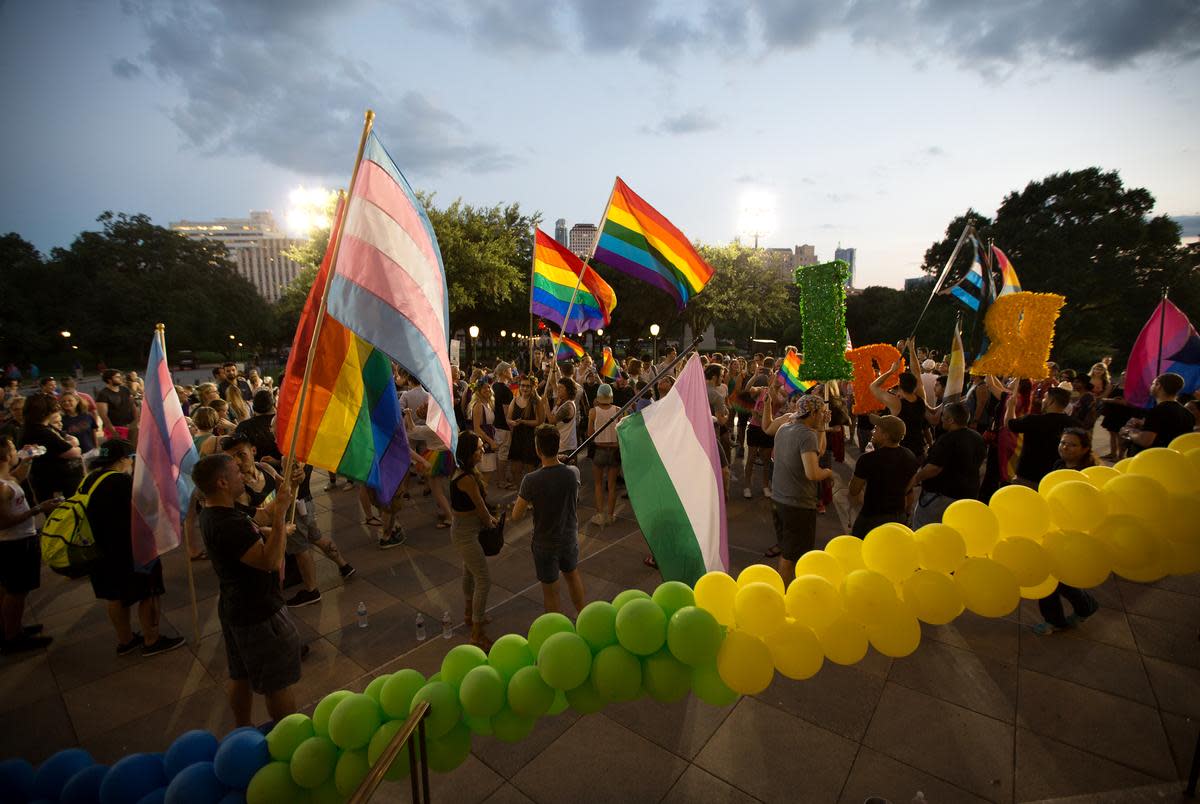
787,571
281,703
149,611
241,701
118,615
550,597
574,588
598,489
439,496
12,610
327,546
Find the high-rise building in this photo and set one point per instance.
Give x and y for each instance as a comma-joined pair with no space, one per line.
581,237
847,256
806,255
255,245
560,231
781,260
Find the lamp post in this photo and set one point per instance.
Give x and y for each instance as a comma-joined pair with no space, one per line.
654,330
474,333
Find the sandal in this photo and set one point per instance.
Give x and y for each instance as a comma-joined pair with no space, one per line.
442,523
201,556
650,562
372,520
773,551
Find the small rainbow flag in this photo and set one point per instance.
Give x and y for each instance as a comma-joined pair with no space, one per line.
789,374
556,274
1009,283
565,348
609,369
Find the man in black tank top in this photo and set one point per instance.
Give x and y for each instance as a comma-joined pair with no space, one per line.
908,403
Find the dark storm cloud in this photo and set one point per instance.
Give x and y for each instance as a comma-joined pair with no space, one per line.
124,68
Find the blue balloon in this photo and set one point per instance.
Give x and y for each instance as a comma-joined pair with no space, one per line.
189,748
54,772
154,797
241,755
83,787
241,730
132,778
234,797
16,780
195,784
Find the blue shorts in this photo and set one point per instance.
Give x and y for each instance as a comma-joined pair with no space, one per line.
549,561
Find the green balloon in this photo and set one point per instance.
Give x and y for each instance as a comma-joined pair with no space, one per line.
597,624
398,693
510,727
666,678
354,721
461,660
375,688
482,692
673,596
379,743
617,674
273,782
629,594
545,626
478,725
288,733
435,677
641,626
351,769
694,636
584,699
448,752
528,695
560,703
564,661
509,654
444,709
708,686
313,762
326,794
320,718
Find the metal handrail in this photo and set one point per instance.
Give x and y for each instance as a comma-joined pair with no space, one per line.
374,778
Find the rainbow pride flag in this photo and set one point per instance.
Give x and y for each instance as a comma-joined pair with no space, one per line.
789,374
351,423
1009,283
565,348
609,369
636,239
556,272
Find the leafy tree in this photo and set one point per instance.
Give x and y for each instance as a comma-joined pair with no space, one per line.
746,287
28,330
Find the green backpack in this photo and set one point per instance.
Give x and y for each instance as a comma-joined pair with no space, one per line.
68,546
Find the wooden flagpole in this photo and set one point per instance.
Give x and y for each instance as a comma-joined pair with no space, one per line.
532,268
1162,327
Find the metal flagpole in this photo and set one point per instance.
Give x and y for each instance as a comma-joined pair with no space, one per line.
962,238
586,267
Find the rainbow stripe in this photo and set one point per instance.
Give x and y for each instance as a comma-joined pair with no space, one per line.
565,348
1008,275
556,272
789,374
609,369
636,240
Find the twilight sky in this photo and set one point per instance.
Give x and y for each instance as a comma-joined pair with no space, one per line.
866,122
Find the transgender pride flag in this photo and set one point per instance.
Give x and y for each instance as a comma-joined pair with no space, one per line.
389,284
162,474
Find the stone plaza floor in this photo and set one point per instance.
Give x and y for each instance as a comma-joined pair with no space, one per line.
983,711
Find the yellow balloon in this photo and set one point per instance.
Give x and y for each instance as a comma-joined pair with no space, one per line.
988,587
1041,590
1026,559
744,663
1058,476
759,609
813,601
1122,465
819,562
1193,455
1185,557
715,593
1184,443
1179,519
1099,476
932,597
848,551
1077,505
940,547
891,551
1168,467
897,636
868,596
844,641
796,651
976,522
1021,512
1077,559
760,573
1138,553
1136,495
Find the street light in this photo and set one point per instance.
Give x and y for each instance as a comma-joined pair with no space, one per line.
65,333
474,333
232,338
654,330
503,333
600,333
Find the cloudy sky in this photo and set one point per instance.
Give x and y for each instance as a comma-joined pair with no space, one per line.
865,122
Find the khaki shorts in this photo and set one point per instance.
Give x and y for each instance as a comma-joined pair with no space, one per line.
503,437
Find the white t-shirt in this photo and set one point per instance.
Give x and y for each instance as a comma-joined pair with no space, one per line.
413,398
17,506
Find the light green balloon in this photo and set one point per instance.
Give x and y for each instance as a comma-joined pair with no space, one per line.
509,654
461,660
617,674
584,699
708,686
320,718
273,782
287,734
352,768
448,751
597,624
545,626
510,727
379,743
528,695
375,688
564,661
629,594
673,596
478,725
313,762
560,703
354,721
666,678
444,709
398,693
641,626
694,636
482,692
326,794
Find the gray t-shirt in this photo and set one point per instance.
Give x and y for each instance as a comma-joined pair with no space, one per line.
789,485
553,491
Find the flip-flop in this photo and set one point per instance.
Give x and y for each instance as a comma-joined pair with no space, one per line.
773,552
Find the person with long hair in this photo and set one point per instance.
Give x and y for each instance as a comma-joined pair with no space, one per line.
60,468
483,423
1099,380
239,411
20,552
468,491
564,415
524,415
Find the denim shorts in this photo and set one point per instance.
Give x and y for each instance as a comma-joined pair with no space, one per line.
549,561
266,653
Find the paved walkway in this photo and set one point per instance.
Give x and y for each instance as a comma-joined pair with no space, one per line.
983,711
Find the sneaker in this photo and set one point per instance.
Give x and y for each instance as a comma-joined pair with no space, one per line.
395,540
164,644
747,494
304,597
25,643
130,646
1046,629
347,572
766,491
610,519
598,519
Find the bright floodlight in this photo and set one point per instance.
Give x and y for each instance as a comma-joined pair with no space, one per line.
756,215
474,330
654,330
308,209
65,333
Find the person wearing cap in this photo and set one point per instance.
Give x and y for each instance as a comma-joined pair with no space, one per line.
882,482
116,579
606,462
953,469
799,444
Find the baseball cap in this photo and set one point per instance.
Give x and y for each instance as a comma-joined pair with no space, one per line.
808,403
892,425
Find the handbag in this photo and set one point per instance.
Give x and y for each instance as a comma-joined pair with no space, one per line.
492,539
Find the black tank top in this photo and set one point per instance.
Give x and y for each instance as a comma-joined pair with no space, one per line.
460,501
257,498
913,415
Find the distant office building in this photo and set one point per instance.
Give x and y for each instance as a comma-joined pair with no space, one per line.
581,237
917,282
806,255
256,246
560,231
846,255
782,260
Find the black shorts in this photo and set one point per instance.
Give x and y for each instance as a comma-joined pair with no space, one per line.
864,524
21,565
607,456
795,529
755,437
128,586
267,653
549,561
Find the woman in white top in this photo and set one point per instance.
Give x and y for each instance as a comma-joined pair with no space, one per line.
483,423
20,553
607,461
563,414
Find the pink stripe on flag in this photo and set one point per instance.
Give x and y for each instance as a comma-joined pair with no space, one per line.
693,390
375,185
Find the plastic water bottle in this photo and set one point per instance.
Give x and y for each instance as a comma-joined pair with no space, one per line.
446,625
919,798
362,614
420,627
